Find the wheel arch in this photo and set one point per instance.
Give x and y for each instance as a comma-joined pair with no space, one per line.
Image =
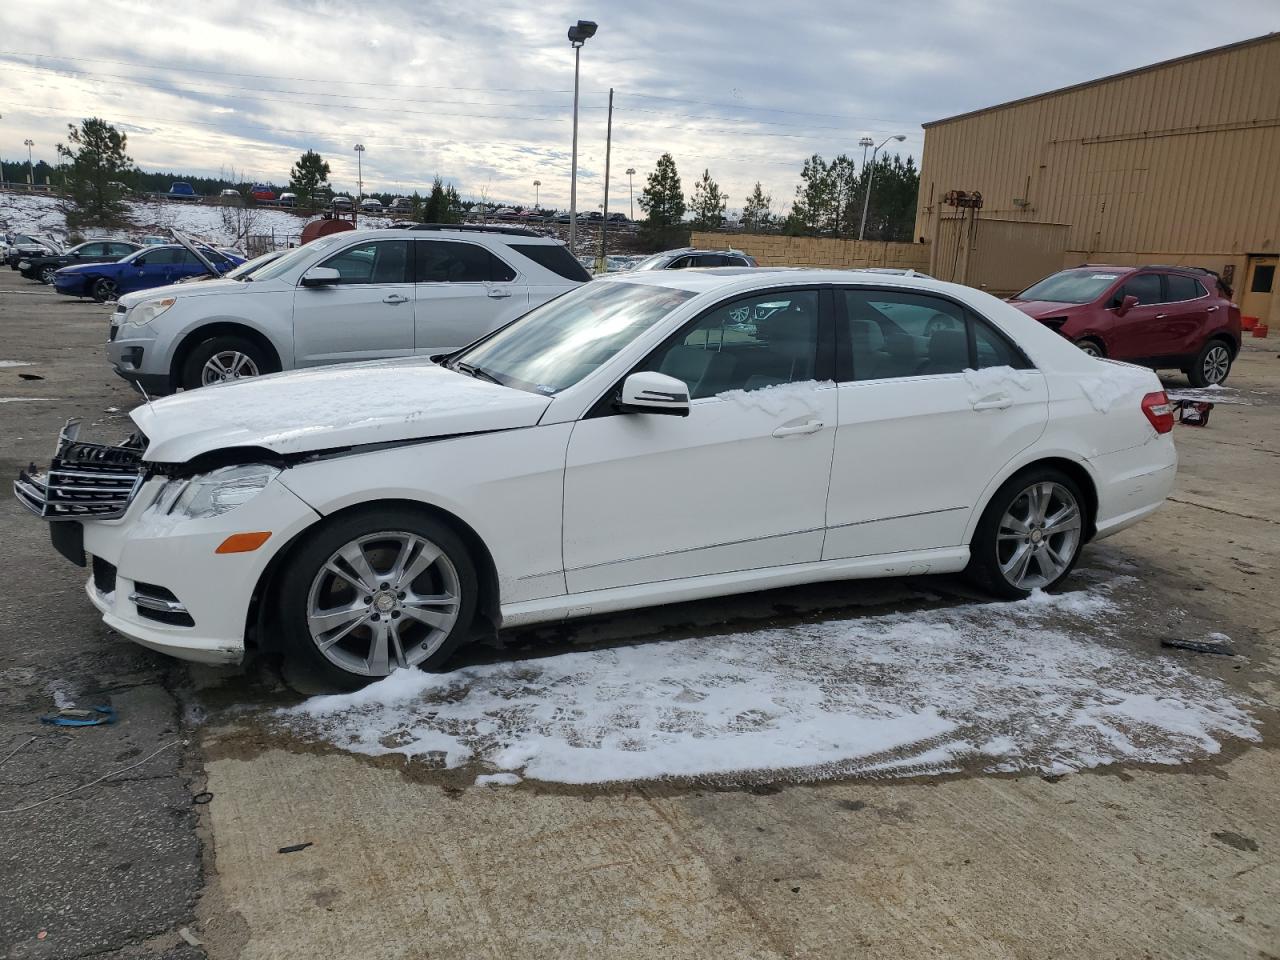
260,618
1077,470
1228,341
218,328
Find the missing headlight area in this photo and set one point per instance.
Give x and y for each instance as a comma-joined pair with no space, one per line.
84,479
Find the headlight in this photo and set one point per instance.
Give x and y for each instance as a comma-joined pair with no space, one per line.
215,493
148,310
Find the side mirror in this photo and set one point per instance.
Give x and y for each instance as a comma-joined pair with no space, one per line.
651,392
140,261
1127,304
320,277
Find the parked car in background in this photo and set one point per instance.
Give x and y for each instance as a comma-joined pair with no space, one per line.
263,193
288,199
148,267
1177,318
400,205
341,203
371,205
687,257
618,218
91,251
355,295
151,240
182,191
21,246
230,198
588,458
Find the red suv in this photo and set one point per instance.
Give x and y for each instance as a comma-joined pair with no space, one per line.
1179,318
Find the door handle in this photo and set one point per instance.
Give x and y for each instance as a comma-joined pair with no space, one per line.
1161,316
499,294
1001,402
813,426
395,298
1211,310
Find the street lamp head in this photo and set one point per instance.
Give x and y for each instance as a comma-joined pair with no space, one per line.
899,137
866,142
359,148
537,183
631,171
581,32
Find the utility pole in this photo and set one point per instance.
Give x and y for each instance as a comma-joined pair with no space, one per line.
608,147
355,207
537,186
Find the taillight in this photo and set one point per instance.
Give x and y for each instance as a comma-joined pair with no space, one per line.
1159,411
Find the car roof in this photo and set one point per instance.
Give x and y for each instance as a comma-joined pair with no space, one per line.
707,279
431,232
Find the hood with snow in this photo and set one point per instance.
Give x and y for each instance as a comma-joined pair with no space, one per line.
346,405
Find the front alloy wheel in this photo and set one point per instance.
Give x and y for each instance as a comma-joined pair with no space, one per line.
227,365
105,290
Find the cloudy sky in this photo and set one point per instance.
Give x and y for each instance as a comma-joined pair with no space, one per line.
481,93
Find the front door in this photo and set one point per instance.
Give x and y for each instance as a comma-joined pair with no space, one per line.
739,484
366,315
1259,282
1135,336
463,292
929,411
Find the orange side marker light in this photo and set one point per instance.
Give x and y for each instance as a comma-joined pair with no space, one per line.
244,542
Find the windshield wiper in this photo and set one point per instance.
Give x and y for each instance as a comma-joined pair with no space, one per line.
474,371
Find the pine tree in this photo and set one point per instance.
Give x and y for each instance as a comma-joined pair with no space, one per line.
756,215
663,198
707,202
96,158
443,204
811,212
309,178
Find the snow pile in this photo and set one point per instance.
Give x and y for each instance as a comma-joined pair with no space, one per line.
995,687
795,398
1121,381
988,381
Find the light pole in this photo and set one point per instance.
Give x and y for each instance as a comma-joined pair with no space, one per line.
359,148
31,170
537,185
631,172
866,196
579,33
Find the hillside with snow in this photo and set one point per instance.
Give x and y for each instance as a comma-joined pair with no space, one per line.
43,214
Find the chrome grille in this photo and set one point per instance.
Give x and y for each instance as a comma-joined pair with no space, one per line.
85,480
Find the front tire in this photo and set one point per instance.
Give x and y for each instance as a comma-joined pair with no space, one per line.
1211,365
46,275
1091,347
1030,535
223,358
104,290
374,590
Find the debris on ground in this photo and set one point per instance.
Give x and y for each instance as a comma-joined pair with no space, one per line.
76,717
1219,647
295,847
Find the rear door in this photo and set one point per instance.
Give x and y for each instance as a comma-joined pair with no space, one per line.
366,315
462,291
926,420
1180,332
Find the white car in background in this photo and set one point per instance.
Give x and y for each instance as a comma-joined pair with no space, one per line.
625,445
356,295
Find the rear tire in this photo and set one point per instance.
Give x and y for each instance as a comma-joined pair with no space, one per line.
1092,347
1212,365
349,623
223,358
1030,535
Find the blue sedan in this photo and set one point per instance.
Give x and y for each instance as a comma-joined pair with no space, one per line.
156,266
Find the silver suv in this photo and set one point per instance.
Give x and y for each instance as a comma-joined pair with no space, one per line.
356,295
687,257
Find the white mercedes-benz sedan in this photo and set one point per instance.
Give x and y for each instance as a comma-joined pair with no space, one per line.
644,439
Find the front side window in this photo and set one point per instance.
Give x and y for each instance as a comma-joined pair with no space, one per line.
451,261
377,261
1144,286
759,341
557,344
162,257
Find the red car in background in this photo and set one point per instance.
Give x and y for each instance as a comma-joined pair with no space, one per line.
1178,318
262,193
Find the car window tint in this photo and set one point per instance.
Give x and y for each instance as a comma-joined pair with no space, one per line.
1181,288
450,261
680,263
378,261
1144,286
712,260
747,344
162,256
92,249
120,249
554,257
900,334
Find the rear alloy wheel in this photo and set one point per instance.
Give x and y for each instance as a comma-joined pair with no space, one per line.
1090,347
46,275
105,290
377,590
1030,536
1211,366
224,358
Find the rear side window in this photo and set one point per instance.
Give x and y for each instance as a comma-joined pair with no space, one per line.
1182,288
555,258
121,249
93,249
450,261
1144,286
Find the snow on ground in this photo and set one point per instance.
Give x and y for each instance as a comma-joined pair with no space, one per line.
42,214
1032,685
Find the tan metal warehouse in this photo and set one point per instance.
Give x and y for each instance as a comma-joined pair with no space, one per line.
1175,163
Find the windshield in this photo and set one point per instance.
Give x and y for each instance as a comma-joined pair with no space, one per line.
1070,286
556,345
299,254
655,262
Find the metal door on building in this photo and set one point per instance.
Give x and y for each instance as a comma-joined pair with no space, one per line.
1259,284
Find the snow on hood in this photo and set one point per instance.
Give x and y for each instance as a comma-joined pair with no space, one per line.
337,406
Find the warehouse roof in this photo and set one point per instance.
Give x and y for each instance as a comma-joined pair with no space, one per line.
1270,37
